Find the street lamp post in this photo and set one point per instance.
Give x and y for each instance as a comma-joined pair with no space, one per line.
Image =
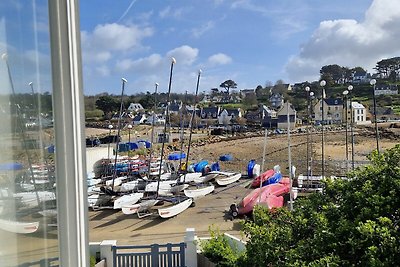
373,83
345,93
129,135
308,131
350,88
108,150
322,83
311,137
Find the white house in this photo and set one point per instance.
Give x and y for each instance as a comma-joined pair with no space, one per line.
359,113
135,107
386,89
139,119
158,119
226,116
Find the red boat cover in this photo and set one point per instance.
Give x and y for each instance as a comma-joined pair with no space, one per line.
268,196
262,177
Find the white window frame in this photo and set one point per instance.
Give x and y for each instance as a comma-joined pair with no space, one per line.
69,128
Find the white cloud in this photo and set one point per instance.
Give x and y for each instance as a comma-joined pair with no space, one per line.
168,12
103,70
350,43
184,55
147,64
219,59
107,38
197,32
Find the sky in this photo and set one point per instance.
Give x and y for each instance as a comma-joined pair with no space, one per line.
253,42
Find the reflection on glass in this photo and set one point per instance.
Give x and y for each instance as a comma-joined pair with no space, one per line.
28,225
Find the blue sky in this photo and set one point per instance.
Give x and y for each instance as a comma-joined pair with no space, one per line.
249,41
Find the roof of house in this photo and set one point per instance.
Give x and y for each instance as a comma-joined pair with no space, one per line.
232,111
135,106
334,102
139,117
357,105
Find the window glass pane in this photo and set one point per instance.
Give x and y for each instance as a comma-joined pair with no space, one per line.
27,183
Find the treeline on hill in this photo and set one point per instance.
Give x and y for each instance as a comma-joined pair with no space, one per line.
337,77
102,106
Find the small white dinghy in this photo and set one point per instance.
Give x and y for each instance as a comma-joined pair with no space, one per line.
206,178
139,207
175,209
176,188
223,179
190,177
199,192
128,199
19,227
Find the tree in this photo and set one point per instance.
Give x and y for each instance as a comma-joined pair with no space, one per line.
227,85
250,100
107,104
333,73
388,68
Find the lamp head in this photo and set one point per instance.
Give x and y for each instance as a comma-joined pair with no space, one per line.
350,87
4,57
110,126
129,126
311,93
124,80
200,71
173,60
345,92
322,83
156,84
30,83
307,88
372,82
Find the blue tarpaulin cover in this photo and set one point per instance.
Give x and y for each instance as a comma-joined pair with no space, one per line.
200,166
215,166
250,167
12,166
273,179
176,156
226,157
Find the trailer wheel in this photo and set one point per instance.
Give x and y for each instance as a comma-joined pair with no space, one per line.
193,204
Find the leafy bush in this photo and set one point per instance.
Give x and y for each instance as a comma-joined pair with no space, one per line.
92,261
354,222
218,250
89,114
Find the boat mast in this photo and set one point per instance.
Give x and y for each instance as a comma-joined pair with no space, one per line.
20,125
182,132
191,124
173,61
263,162
289,158
118,132
152,129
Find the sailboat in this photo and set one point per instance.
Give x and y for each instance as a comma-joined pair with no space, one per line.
171,205
202,189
